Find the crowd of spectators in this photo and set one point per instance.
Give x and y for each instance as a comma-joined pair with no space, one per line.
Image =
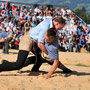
20,19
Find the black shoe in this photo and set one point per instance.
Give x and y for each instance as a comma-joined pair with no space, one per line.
4,61
66,70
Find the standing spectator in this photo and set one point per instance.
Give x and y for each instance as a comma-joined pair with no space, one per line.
5,38
68,11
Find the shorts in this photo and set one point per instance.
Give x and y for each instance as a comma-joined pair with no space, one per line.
26,42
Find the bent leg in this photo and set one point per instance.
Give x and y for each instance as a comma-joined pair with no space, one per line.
38,61
29,60
60,66
32,60
37,64
8,66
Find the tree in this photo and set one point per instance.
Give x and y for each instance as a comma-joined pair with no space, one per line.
81,13
88,18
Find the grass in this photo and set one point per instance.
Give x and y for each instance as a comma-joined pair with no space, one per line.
82,65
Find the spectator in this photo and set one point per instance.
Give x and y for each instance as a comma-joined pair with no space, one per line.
2,29
83,43
13,16
27,25
73,43
17,43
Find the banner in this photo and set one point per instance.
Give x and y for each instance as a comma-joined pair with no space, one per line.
71,27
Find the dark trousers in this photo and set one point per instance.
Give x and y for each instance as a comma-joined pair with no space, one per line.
8,66
21,59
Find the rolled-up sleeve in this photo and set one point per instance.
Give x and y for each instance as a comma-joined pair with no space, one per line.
41,36
53,54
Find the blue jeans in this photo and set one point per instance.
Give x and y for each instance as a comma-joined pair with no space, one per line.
76,47
70,47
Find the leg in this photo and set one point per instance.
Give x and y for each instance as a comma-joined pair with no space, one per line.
29,60
70,48
32,60
6,45
60,66
8,66
76,46
38,61
25,46
65,69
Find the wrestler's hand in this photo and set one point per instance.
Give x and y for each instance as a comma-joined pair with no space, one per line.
46,76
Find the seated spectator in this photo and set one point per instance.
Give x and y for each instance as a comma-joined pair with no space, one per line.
66,45
37,10
68,11
82,23
27,25
17,43
13,7
51,11
83,43
3,6
33,24
40,16
76,35
73,43
22,21
2,29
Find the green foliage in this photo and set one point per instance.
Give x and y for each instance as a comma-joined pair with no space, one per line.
88,18
82,65
81,12
80,5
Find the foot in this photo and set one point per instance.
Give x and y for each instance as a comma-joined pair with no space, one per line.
66,70
4,61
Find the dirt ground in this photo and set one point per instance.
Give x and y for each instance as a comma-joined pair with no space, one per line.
25,80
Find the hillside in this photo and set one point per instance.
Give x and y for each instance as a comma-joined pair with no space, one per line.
71,3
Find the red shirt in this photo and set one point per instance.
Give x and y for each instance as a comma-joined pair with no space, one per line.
22,20
16,43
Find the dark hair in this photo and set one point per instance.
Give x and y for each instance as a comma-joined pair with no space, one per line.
60,20
51,32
